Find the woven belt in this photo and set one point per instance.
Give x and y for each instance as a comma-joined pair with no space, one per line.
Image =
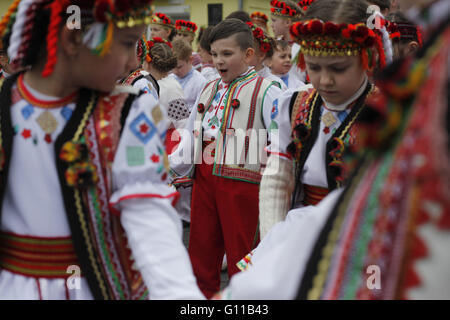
36,256
313,194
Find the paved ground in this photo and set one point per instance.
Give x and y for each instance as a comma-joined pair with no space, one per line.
224,275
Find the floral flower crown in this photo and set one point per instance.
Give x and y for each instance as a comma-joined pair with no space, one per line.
281,9
184,26
162,19
258,34
102,15
318,38
141,50
151,43
405,31
304,4
259,15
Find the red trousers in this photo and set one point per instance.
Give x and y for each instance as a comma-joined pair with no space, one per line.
224,218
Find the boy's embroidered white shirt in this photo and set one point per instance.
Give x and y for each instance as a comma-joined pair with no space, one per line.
213,117
192,83
267,74
291,81
181,160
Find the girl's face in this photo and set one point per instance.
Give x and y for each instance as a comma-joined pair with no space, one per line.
281,61
229,59
335,78
160,31
92,71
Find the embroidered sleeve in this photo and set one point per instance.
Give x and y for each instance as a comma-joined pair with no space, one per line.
280,124
146,86
182,158
140,168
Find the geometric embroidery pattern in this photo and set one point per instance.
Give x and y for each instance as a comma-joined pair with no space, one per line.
274,109
135,156
66,112
143,128
47,122
27,111
178,109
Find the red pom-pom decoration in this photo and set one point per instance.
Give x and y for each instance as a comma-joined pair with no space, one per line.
235,103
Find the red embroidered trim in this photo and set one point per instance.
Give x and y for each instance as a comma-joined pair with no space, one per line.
28,96
174,195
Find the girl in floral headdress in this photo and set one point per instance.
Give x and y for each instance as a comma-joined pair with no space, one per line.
83,167
140,78
264,49
316,125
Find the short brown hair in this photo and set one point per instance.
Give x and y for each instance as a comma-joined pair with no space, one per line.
232,27
281,44
182,50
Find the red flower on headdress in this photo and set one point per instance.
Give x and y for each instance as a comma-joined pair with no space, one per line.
360,34
370,41
265,47
331,29
315,27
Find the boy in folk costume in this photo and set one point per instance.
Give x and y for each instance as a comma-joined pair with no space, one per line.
264,47
185,30
161,26
224,208
140,78
317,124
190,79
280,65
283,15
92,159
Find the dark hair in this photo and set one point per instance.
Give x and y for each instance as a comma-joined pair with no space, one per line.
241,15
163,58
338,11
383,4
282,44
232,27
411,28
203,40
